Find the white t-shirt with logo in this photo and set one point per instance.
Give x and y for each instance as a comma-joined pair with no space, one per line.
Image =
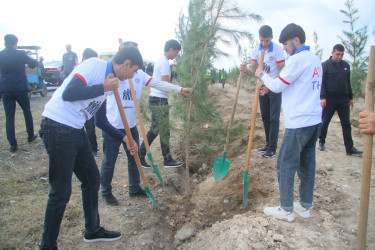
75,114
161,68
273,56
300,83
140,79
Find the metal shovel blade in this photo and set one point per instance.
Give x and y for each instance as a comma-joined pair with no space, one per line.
156,170
245,188
221,167
147,189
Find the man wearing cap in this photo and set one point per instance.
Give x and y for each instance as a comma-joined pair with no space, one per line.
14,88
299,82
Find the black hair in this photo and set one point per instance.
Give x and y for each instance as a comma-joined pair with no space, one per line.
291,31
338,47
265,31
129,53
88,53
174,44
128,43
10,40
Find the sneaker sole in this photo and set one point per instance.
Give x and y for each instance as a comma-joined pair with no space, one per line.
101,239
176,166
145,167
266,156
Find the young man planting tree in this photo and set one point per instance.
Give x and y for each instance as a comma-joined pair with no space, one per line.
109,120
270,102
77,100
158,102
299,82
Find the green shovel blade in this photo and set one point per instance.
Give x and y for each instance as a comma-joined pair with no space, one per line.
221,167
156,170
147,189
245,188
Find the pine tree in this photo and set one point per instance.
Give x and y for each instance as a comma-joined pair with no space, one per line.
355,43
200,33
318,50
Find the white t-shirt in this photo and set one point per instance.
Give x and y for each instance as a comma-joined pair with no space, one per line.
140,79
300,82
75,114
273,56
161,68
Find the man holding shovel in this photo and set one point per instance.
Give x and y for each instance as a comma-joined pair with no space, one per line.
109,120
270,102
299,82
77,100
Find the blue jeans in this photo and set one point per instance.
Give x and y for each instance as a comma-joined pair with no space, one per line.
9,101
69,152
297,154
110,148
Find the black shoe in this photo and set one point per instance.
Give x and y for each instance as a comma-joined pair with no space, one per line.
264,149
47,248
354,151
269,153
321,146
31,139
144,163
110,199
171,163
13,148
102,235
140,193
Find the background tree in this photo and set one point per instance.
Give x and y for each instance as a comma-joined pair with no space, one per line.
318,50
355,42
200,34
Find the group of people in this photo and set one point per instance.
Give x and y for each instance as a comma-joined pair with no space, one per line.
308,91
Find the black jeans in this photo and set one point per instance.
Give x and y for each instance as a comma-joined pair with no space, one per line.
90,131
342,106
9,101
159,125
69,152
270,106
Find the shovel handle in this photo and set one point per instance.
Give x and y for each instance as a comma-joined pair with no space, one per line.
129,134
367,156
254,116
233,111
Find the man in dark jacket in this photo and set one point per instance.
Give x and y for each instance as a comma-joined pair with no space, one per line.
14,87
70,60
336,95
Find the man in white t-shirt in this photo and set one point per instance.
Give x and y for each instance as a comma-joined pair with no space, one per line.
299,82
109,120
270,102
158,102
76,101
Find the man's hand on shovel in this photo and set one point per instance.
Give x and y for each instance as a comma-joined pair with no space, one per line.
132,149
110,83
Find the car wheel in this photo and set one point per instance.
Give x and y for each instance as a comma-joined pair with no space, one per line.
44,91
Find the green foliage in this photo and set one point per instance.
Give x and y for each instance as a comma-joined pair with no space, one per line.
318,50
355,43
199,34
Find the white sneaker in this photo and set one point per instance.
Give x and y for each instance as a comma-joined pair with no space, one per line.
301,210
279,213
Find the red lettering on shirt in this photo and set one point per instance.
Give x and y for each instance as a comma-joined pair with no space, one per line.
317,72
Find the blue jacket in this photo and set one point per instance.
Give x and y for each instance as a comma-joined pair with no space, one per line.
12,69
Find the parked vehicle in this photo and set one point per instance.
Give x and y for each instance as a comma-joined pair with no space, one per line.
52,73
34,76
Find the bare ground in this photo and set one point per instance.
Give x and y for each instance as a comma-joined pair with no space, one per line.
213,216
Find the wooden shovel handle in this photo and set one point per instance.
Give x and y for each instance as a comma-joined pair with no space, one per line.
367,156
233,111
255,108
129,134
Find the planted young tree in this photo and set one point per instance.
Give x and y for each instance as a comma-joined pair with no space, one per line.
318,50
200,34
355,42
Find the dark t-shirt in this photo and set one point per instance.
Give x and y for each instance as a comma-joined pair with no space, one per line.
70,60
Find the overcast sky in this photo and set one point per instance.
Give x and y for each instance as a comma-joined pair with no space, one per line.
99,24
